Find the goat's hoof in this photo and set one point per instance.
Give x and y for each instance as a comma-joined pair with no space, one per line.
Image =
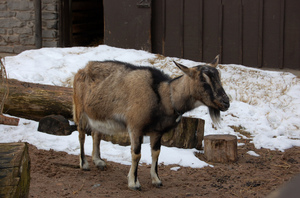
100,164
157,185
135,188
85,167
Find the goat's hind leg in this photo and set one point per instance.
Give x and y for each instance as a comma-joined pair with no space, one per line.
96,151
155,140
136,141
84,165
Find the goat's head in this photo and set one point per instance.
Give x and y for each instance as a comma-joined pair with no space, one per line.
206,87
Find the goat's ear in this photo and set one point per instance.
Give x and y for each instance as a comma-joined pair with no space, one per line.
215,62
188,71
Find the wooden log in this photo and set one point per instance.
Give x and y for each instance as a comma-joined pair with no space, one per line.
220,148
34,101
9,120
14,170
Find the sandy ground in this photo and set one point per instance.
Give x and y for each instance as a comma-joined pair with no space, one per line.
57,174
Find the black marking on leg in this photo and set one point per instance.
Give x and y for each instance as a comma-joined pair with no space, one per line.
156,171
135,173
137,149
157,144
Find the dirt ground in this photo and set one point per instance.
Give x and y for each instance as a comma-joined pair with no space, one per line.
57,174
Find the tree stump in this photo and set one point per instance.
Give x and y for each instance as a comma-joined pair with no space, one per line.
188,134
220,148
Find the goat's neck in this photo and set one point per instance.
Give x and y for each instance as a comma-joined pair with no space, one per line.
180,95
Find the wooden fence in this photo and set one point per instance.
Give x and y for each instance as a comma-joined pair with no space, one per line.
257,33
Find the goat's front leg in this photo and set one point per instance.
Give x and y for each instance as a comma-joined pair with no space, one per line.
96,150
136,141
155,140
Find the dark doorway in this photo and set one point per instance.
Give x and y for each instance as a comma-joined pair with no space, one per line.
81,23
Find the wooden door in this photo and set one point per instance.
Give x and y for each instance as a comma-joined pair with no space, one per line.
127,23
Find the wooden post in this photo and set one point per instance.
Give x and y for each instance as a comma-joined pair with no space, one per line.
220,148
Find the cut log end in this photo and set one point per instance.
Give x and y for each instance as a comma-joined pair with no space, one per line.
9,121
220,148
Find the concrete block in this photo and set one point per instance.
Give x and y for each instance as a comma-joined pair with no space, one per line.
6,49
3,7
51,7
50,43
25,30
24,16
10,23
20,5
7,14
2,31
53,24
19,48
49,33
27,40
11,38
49,15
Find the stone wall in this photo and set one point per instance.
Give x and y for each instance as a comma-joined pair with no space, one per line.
17,25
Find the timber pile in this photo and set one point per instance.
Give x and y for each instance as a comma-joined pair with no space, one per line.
35,101
14,170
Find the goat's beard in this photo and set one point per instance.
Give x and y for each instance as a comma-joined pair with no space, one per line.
215,115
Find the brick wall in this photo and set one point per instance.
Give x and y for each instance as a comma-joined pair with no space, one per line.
17,25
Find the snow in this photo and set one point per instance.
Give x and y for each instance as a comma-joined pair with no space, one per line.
253,153
265,105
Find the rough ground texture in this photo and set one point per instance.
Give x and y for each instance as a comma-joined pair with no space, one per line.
57,174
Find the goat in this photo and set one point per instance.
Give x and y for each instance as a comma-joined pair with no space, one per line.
111,97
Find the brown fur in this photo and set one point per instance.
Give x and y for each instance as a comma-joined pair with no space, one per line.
111,97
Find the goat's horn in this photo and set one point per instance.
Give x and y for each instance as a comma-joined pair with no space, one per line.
215,62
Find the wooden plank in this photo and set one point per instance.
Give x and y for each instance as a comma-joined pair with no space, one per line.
212,25
158,26
251,30
193,18
232,32
14,170
292,35
127,25
174,29
271,34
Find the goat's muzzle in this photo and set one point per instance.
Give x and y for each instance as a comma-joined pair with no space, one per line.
224,103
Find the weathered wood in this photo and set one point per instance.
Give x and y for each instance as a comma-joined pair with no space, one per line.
188,134
14,170
9,120
220,148
34,101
